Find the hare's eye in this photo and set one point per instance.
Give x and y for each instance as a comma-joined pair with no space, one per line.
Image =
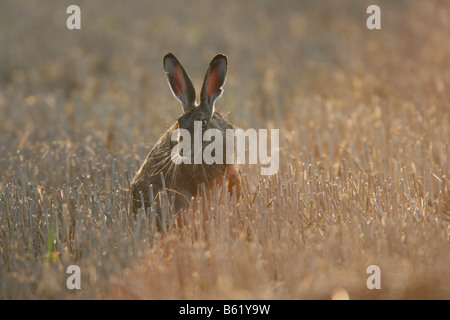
204,122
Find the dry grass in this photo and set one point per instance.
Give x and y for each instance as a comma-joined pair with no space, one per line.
364,177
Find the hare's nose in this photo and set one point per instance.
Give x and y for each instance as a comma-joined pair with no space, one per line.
199,117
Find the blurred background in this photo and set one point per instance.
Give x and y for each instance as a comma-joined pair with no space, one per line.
289,61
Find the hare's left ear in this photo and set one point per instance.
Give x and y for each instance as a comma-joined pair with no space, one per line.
179,82
212,85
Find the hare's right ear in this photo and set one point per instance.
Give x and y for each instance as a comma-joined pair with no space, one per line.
179,82
212,84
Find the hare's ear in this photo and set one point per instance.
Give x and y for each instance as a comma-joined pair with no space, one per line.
179,82
213,83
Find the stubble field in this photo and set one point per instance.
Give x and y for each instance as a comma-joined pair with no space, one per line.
364,119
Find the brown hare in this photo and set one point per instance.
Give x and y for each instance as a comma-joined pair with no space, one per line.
182,179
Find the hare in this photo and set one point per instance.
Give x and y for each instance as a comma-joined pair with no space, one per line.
183,178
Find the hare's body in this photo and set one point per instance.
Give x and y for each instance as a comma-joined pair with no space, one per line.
159,168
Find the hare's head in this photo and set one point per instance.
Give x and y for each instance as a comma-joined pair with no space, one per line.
184,91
